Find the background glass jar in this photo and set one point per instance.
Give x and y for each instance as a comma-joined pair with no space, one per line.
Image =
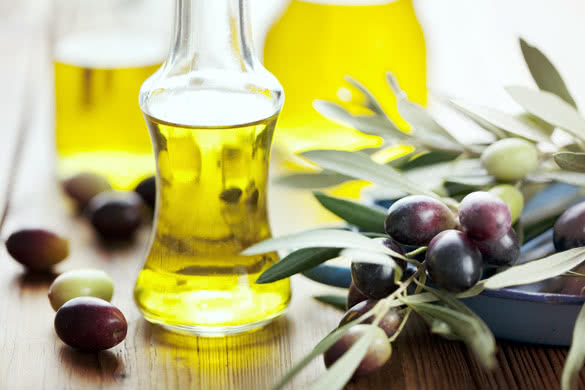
103,51
317,42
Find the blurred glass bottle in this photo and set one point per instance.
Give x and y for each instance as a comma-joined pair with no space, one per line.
103,51
317,42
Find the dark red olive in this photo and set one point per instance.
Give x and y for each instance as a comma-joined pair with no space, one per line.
389,323
84,186
115,215
37,249
147,191
377,355
453,261
354,296
414,220
90,324
569,229
484,216
502,251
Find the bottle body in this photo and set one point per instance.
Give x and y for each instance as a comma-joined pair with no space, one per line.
329,39
211,111
102,55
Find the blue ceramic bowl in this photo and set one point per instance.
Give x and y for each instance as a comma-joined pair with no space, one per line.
521,313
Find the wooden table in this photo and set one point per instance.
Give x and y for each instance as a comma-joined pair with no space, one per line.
32,357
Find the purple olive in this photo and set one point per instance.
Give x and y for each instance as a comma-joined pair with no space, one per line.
453,261
84,186
414,220
37,249
389,323
502,251
484,216
147,191
90,324
354,296
569,229
115,215
377,355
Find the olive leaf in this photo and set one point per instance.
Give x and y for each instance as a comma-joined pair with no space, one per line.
506,122
366,218
337,301
550,108
573,178
342,370
371,101
537,270
369,124
425,127
322,179
428,158
496,131
474,181
297,261
320,348
544,72
576,356
325,238
361,166
570,161
467,327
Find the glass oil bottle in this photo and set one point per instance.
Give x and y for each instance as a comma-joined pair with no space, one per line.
103,52
328,39
211,110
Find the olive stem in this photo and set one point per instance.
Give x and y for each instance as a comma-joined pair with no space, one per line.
415,252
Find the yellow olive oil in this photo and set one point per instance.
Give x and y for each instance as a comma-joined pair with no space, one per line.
99,126
212,189
317,42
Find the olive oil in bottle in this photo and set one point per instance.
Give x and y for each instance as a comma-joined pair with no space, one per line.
99,126
211,110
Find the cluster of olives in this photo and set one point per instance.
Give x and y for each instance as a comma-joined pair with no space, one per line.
458,248
113,214
85,318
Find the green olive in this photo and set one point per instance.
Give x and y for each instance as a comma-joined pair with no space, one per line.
512,197
510,159
80,283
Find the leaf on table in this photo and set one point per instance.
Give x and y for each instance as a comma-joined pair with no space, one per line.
506,122
466,327
337,301
361,166
342,370
296,262
550,108
322,179
369,124
320,238
366,218
537,270
576,356
570,161
544,72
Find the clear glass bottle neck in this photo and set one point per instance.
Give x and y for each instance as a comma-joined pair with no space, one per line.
212,34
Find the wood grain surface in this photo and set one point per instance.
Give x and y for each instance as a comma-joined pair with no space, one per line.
32,357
